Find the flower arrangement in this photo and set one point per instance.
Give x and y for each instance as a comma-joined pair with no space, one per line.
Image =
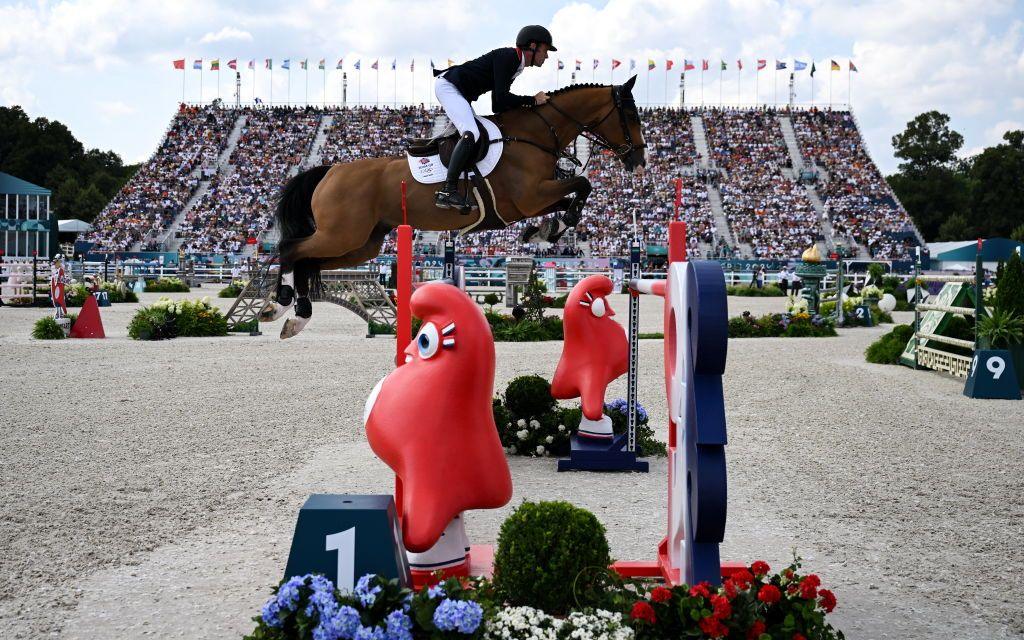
233,289
796,305
166,319
781,325
168,284
527,623
871,292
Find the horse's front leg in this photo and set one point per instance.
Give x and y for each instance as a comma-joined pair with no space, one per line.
551,196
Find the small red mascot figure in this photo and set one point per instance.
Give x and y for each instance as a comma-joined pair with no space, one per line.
594,353
431,421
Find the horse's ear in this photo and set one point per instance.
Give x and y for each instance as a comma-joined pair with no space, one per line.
629,83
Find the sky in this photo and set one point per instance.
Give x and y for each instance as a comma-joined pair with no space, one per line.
104,67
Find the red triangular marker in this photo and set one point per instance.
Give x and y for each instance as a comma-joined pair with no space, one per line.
88,324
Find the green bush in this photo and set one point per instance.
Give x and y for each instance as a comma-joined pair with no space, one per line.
380,329
1010,287
246,327
529,397
167,285
1000,329
232,290
74,294
768,291
888,348
559,302
548,553
646,444
166,319
876,272
508,329
47,329
775,325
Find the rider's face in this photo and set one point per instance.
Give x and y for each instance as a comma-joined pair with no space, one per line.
540,54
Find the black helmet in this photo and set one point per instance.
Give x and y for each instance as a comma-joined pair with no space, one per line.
534,33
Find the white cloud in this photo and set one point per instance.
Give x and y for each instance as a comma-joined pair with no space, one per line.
114,108
226,34
994,134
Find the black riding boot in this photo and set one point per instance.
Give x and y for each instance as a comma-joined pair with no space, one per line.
449,197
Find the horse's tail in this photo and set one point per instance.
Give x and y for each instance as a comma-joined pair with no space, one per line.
294,212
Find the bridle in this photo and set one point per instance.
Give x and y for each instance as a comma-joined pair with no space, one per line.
622,104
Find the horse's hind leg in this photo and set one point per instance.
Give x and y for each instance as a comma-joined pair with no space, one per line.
303,273
285,296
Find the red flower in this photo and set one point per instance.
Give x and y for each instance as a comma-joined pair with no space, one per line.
643,611
743,578
661,594
722,609
813,579
828,600
769,594
760,568
755,630
713,628
730,588
808,589
798,636
700,590
788,573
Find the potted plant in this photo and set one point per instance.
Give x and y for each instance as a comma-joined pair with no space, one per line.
1009,299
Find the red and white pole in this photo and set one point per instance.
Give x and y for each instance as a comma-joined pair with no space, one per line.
403,323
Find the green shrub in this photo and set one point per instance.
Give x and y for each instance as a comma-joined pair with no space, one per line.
167,285
1010,287
529,397
876,272
166,319
774,325
247,327
47,329
232,290
74,294
1000,329
646,444
508,329
888,348
380,329
768,291
548,553
559,302
150,323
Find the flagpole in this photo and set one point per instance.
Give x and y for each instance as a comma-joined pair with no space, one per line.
702,83
200,83
396,84
289,101
757,84
376,100
307,82
218,81
849,87
775,86
359,79
830,73
271,83
648,86
325,82
720,102
739,85
812,83
183,83
666,84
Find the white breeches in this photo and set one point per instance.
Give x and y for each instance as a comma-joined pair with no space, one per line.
456,107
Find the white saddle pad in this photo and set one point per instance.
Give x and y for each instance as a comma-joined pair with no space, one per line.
430,170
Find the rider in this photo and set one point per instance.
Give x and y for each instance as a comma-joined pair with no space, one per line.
455,87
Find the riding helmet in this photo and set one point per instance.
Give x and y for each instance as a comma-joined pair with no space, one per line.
534,33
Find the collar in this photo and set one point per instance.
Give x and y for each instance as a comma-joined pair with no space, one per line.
522,57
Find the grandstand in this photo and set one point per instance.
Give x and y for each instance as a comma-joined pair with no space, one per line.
757,183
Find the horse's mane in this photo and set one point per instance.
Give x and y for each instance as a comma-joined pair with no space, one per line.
574,87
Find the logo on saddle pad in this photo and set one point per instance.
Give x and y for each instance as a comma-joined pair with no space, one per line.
430,169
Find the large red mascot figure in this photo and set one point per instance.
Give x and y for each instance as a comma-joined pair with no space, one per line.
431,421
594,353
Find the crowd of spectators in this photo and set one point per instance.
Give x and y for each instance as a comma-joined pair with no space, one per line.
149,202
764,206
857,198
239,202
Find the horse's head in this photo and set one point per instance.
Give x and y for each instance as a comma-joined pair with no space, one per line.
621,130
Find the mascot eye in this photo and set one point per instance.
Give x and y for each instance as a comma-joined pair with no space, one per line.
428,341
597,308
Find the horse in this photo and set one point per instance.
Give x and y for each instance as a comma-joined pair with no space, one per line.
338,216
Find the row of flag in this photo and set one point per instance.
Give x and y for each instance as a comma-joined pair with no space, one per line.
268,63
688,65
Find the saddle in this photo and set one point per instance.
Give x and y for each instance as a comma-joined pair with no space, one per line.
443,144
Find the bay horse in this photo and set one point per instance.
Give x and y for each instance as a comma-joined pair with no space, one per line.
338,216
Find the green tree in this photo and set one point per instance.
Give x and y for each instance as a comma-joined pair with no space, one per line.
927,142
956,227
1018,234
997,187
1010,287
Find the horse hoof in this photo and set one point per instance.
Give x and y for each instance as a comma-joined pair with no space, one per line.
292,327
273,311
529,235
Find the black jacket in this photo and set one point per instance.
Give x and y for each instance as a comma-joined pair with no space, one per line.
493,72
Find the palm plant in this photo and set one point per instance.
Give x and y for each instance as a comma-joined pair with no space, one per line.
1001,328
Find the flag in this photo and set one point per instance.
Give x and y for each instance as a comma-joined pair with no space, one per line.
394,63
799,66
375,66
252,64
215,65
688,65
761,64
668,65
835,66
233,64
302,64
269,63
561,65
724,67
341,63
198,64
595,63
323,64
412,65
287,64
703,65
813,68
779,65
853,67
739,65
615,64
578,63
258,101
357,65
650,64
180,64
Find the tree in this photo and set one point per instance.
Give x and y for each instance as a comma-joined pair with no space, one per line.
1010,286
927,142
997,187
1018,234
956,227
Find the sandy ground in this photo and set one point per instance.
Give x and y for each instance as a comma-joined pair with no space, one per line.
151,489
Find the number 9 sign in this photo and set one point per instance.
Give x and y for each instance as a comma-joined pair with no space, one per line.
992,376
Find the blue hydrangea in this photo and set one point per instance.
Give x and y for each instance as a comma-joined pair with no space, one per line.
437,591
366,595
399,626
461,615
272,613
370,633
342,625
288,594
323,603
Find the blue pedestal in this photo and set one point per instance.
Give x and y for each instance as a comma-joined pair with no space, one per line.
345,537
589,454
992,376
102,299
863,314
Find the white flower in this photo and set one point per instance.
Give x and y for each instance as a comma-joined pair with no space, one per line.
523,434
561,427
534,424
540,449
549,439
520,423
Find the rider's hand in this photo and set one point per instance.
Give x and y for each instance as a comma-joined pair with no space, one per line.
540,98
